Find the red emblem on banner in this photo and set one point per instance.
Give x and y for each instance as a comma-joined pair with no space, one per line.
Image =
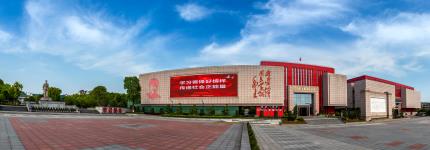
153,89
261,84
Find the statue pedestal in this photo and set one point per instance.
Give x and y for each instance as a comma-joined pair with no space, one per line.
45,99
52,104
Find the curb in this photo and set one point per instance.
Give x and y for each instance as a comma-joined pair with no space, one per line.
244,142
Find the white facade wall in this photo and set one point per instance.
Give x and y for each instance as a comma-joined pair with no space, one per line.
411,98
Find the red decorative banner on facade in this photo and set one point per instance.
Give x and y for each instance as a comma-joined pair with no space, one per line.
208,85
261,84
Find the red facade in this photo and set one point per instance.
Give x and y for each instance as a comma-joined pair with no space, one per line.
301,74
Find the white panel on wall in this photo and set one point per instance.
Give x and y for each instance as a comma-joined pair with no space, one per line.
378,104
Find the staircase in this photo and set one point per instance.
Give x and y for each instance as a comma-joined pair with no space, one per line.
319,120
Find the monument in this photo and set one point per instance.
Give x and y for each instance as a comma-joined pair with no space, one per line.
45,92
46,103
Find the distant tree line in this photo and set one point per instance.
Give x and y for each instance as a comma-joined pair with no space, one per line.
98,96
10,92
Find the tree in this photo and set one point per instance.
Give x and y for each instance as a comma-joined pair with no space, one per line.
100,94
5,92
15,91
54,93
131,84
34,98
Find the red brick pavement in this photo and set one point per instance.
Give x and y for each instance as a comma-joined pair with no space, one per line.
92,133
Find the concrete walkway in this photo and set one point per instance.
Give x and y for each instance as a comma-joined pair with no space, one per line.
235,138
279,137
8,138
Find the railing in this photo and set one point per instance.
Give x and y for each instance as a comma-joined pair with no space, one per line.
51,107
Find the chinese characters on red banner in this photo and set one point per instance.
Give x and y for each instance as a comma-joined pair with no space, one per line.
261,84
209,85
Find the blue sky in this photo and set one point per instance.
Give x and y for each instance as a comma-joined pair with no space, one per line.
81,44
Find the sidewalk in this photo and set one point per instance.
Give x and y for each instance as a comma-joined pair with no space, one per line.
8,138
279,137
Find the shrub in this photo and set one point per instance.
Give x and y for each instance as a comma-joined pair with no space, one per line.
300,119
291,116
252,140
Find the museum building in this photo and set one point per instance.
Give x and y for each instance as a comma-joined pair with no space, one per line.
379,98
268,89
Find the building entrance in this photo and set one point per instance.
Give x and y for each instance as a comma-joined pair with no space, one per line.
304,110
303,103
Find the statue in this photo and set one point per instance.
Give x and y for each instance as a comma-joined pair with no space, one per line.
45,91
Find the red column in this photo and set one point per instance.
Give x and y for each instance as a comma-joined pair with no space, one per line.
265,111
272,114
257,111
280,112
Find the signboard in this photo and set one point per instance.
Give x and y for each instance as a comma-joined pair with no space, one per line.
378,105
207,85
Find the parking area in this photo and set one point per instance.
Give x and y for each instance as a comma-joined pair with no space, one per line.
405,134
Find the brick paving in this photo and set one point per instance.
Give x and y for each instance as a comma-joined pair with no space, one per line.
114,133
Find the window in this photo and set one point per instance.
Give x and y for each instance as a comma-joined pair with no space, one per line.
302,99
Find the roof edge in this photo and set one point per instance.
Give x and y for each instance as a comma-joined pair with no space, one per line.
280,63
367,77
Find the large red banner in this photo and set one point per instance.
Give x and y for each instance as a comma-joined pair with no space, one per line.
208,85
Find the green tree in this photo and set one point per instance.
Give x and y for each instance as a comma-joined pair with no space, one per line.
100,95
80,100
15,91
5,92
54,93
131,84
34,98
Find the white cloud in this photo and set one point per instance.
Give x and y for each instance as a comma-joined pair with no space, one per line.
385,46
406,33
89,39
193,12
4,36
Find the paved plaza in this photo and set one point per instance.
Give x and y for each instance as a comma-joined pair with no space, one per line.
403,134
114,132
